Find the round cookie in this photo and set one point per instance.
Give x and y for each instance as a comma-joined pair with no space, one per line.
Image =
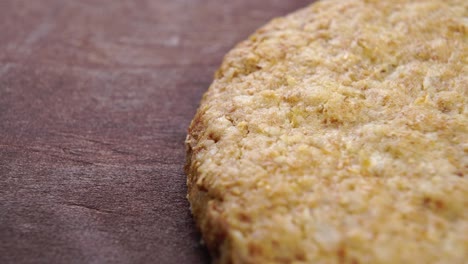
338,134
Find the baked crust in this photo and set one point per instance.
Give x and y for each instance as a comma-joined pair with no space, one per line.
338,134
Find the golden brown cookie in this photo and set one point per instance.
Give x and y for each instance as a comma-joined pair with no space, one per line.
338,134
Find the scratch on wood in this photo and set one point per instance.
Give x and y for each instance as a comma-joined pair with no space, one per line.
36,35
89,207
83,138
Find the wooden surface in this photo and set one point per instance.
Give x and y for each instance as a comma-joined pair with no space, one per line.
95,99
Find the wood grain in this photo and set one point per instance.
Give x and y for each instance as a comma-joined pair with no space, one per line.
95,99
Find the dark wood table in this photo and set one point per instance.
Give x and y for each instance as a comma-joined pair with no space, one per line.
95,100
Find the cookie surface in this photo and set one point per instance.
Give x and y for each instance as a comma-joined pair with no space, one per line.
338,134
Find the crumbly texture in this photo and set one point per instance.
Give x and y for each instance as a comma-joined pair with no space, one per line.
338,134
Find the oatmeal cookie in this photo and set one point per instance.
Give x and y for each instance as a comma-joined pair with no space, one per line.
338,134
